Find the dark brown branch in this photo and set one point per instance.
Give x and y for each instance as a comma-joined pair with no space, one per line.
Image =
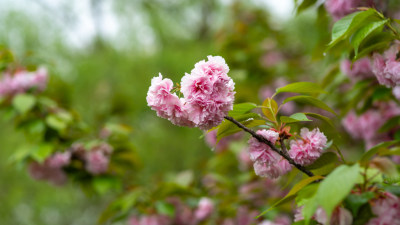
272,146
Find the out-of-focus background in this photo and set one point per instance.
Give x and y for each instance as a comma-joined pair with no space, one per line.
102,54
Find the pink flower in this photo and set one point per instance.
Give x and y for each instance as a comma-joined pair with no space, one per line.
150,220
387,210
267,163
204,209
340,216
386,67
98,158
59,160
309,149
51,169
208,95
340,8
361,69
396,92
23,81
260,151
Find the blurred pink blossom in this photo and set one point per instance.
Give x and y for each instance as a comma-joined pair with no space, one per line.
386,67
361,69
51,169
204,209
340,216
387,210
98,158
23,81
340,8
150,220
309,148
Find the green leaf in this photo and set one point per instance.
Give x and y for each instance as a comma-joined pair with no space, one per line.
379,147
376,42
348,24
270,109
56,123
103,184
321,117
355,201
305,4
295,118
41,152
242,108
336,186
301,87
165,208
310,101
362,33
24,103
292,193
325,159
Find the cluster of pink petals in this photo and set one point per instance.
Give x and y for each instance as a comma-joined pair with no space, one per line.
340,8
267,163
223,144
204,209
387,210
359,70
207,95
366,125
386,67
23,81
309,148
340,216
150,220
244,216
51,169
98,159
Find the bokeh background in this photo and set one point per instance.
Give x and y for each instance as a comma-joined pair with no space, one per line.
102,54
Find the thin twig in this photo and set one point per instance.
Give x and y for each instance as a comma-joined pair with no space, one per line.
272,146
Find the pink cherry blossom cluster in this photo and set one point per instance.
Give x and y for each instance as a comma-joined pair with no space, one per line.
367,125
150,220
340,8
184,215
223,144
51,169
309,148
386,67
267,163
23,81
96,161
303,151
340,216
359,70
386,208
208,95
244,216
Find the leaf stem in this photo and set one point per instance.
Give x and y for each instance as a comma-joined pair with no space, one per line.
272,146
